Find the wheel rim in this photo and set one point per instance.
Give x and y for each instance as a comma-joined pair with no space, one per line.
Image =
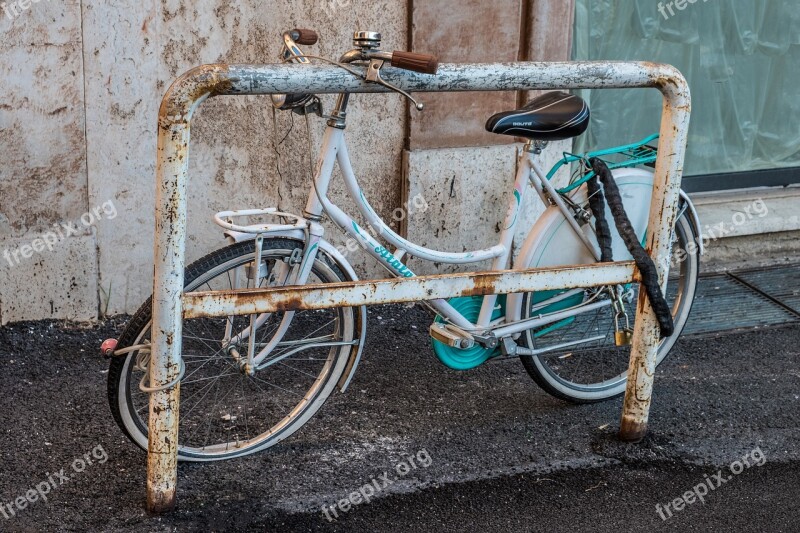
224,412
568,370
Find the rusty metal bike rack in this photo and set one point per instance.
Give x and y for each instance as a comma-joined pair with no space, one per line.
171,305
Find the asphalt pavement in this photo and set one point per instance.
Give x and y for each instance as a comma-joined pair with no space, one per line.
441,450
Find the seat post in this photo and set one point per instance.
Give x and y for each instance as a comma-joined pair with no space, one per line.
535,147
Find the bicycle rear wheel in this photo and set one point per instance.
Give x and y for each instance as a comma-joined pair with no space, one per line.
225,412
596,371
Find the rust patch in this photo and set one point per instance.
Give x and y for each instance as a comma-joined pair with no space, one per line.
483,285
183,94
160,502
292,303
632,431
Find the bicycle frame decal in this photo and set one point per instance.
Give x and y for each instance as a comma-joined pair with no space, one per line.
517,207
394,262
382,254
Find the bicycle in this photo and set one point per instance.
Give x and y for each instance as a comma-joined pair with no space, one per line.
249,382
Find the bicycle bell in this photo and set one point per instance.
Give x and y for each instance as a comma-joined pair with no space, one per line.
367,39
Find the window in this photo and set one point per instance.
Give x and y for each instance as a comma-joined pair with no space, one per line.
742,60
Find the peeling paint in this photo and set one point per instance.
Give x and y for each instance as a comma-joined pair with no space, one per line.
243,302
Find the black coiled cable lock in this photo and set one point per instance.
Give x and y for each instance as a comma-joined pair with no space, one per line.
644,262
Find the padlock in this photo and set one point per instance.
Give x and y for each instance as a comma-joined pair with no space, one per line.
622,337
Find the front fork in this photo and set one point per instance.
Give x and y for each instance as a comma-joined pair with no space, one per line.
294,272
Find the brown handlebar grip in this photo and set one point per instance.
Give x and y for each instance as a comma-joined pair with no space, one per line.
424,63
306,37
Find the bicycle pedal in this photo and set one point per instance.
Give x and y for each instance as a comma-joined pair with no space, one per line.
443,334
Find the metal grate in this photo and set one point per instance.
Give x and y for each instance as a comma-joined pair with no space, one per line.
782,283
722,303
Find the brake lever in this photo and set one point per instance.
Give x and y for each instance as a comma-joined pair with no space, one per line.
374,75
291,51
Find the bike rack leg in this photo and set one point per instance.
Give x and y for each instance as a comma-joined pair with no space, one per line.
162,456
663,212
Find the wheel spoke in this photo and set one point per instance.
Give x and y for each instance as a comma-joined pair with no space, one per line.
226,412
598,370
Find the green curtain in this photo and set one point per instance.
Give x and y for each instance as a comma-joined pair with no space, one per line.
742,60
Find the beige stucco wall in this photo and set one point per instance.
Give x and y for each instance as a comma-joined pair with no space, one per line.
80,87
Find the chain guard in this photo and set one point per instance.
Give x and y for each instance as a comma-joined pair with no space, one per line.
470,358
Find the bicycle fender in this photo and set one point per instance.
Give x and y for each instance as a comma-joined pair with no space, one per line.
694,219
361,315
551,227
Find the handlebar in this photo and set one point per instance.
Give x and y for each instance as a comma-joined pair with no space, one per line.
425,63
367,50
304,36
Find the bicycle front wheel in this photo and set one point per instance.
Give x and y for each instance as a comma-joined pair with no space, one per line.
227,412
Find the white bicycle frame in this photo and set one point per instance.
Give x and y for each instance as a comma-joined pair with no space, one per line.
334,150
